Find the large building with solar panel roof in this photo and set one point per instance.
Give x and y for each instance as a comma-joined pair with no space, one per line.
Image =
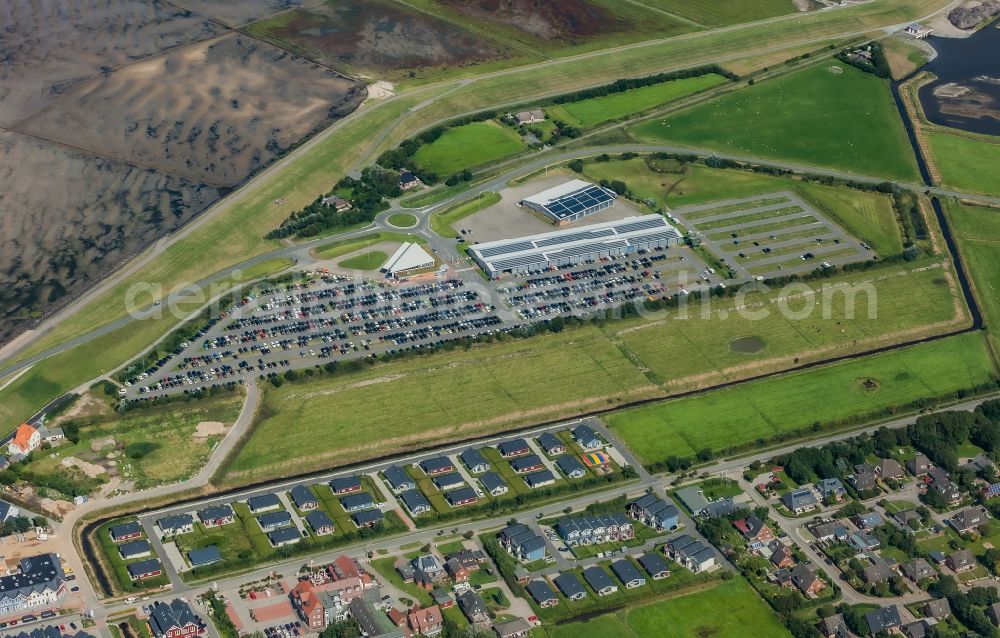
573,246
571,201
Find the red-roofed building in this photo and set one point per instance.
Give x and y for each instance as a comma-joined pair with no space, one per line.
343,567
26,439
426,621
397,617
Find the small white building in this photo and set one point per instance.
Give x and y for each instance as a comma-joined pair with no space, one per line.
407,258
918,31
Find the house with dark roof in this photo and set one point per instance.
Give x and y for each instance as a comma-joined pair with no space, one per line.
918,465
437,465
539,479
782,557
551,444
216,516
357,502
570,586
586,438
513,448
863,481
542,594
461,496
473,607
39,582
448,481
595,529
918,569
755,532
528,463
474,460
654,565
174,620
938,609
263,503
834,627
799,501
693,497
884,619
868,521
284,536
125,531
517,628
831,489
493,484
320,523
177,524
571,467
273,520
627,573
144,569
807,582
416,502
367,518
969,520
961,561
654,512
691,553
889,469
876,571
303,498
135,549
599,580
522,543
345,484
398,479
374,622
204,556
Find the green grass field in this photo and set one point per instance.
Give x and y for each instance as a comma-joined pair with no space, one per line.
758,410
338,248
119,566
365,261
965,163
586,113
977,231
904,56
866,215
845,121
403,220
716,14
443,223
468,146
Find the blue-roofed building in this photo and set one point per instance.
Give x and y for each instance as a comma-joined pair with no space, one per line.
542,593
216,516
627,573
368,518
345,485
528,463
448,481
474,460
571,467
551,444
570,586
599,580
655,565
539,479
204,556
654,512
144,569
284,536
177,524
125,531
274,520
135,549
356,502
586,438
514,448
461,496
570,201
493,484
398,479
303,498
319,522
263,503
416,502
437,465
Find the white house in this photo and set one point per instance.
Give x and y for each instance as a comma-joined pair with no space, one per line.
26,439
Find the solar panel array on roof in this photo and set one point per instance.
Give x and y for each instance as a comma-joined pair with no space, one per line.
508,248
589,197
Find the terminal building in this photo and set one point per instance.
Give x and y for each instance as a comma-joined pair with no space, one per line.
573,246
570,202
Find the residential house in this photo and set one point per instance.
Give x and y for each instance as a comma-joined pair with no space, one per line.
868,521
968,521
448,481
694,499
903,517
398,479
26,439
807,582
174,620
551,444
586,438
690,553
517,628
373,622
522,543
320,523
470,560
426,622
918,465
284,536
263,503
570,586
135,549
571,467
755,532
473,607
599,580
144,569
367,518
125,531
862,541
345,485
594,530
526,464
883,619
38,582
799,501
876,571
303,498
475,461
357,502
834,627
514,448
408,180
961,561
317,606
831,531
991,491
889,469
437,465
461,497
654,512
337,203
535,480
530,117
542,594
918,569
427,570
8,510
442,598
993,613
177,524
456,570
344,567
416,502
937,609
274,520
204,556
493,484
918,628
627,573
863,481
655,565
216,516
948,491
782,557
917,30
831,489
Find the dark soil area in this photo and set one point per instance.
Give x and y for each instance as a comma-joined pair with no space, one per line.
567,20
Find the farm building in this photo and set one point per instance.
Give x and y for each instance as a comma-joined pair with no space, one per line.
572,246
570,201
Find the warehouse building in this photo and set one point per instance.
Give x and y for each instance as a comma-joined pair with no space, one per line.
571,201
574,246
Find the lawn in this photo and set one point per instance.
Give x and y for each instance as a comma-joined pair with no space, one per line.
443,223
716,14
977,231
403,220
756,411
426,400
370,260
965,163
337,248
468,146
586,113
846,121
119,566
904,56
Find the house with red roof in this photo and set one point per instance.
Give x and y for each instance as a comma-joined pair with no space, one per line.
26,439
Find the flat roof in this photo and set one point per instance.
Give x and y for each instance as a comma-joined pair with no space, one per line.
506,254
571,198
409,256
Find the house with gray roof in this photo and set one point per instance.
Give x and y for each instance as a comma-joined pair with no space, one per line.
831,489
551,444
125,531
273,520
319,522
39,582
599,580
135,549
570,586
398,479
493,484
263,503
586,438
474,460
627,573
416,502
216,516
284,536
437,465
448,481
535,480
654,512
173,619
655,565
204,556
884,619
571,467
367,518
356,502
345,484
177,524
144,569
542,593
513,448
799,501
303,498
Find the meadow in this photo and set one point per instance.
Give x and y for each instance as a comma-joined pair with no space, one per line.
370,260
845,120
866,215
965,163
344,246
756,411
977,231
468,146
718,14
587,113
443,222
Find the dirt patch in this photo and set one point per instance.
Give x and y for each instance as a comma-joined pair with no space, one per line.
102,444
375,37
747,345
88,405
236,14
869,384
206,429
567,20
90,469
